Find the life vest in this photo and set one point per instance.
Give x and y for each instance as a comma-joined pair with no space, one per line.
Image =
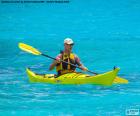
62,67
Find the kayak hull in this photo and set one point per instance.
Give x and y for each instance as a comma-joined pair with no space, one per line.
105,79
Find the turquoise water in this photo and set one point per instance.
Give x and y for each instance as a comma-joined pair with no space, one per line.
106,34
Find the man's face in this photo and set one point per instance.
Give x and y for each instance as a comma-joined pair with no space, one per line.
68,46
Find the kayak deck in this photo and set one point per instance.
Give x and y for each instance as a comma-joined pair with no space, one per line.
106,79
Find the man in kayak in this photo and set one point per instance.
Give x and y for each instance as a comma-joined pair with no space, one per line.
68,56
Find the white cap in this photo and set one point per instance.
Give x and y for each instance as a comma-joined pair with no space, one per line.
68,41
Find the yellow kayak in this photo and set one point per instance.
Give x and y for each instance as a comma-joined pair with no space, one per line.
106,79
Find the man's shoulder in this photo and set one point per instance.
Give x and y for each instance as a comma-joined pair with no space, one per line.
59,56
76,56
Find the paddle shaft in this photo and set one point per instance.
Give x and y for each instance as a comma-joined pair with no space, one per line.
34,51
67,63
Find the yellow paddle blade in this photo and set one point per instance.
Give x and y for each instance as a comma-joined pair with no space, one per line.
29,49
119,80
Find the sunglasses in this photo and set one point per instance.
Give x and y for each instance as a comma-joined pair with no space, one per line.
70,44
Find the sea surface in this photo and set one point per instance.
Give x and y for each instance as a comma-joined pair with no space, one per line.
106,34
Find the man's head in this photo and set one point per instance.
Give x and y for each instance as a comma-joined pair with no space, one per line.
68,43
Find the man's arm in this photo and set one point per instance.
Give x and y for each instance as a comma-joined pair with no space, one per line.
80,64
53,65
